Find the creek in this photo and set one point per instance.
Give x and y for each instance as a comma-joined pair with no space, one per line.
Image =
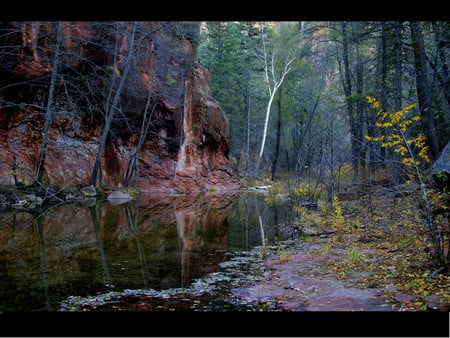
77,253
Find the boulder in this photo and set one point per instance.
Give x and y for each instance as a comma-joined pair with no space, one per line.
441,168
118,197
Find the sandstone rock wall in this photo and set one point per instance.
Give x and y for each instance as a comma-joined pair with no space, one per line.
187,144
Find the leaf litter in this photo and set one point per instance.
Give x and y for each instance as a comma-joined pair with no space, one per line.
379,262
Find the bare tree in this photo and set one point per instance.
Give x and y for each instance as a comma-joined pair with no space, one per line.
423,90
273,81
146,122
245,148
48,114
353,94
111,109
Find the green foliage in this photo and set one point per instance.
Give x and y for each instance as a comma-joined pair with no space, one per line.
405,242
308,191
414,283
132,192
109,69
248,182
444,181
337,219
277,188
355,255
227,50
442,176
283,256
305,237
170,79
233,53
187,30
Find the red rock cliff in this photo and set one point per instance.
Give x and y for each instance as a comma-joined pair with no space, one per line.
187,141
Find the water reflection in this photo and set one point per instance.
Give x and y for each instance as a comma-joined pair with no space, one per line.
153,242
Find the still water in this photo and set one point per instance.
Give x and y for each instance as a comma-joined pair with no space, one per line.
149,243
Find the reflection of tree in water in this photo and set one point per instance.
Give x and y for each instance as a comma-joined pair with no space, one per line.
254,222
13,246
107,280
146,243
43,259
132,214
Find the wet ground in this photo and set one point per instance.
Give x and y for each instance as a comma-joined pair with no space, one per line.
300,285
257,280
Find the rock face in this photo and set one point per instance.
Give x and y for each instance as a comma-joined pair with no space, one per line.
442,164
186,143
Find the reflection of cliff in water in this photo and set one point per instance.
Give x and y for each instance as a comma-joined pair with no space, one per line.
73,249
152,242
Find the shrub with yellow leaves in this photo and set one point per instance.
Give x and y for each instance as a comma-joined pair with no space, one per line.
396,126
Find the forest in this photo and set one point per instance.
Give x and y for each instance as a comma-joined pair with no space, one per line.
340,108
349,120
306,85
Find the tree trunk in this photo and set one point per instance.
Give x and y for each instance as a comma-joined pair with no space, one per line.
247,143
266,122
442,69
398,46
398,97
377,153
112,110
48,113
270,69
347,85
423,90
301,138
277,146
245,148
360,109
134,158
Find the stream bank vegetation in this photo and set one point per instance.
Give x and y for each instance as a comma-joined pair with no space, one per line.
388,235
356,126
383,241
